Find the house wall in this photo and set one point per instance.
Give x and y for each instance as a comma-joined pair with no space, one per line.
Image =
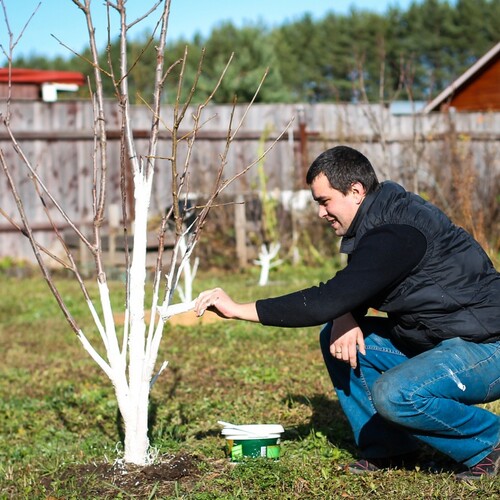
482,93
27,91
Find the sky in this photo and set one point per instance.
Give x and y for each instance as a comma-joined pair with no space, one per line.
61,20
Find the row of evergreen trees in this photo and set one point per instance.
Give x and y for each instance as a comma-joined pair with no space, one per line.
402,54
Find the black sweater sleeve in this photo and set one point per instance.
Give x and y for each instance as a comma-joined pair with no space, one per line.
383,258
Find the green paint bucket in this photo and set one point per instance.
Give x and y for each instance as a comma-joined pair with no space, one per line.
252,441
239,448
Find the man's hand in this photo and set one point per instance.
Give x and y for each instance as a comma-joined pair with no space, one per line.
345,338
219,302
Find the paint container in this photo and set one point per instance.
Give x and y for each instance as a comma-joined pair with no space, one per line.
252,441
239,448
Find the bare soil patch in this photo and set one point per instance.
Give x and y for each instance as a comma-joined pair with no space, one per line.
105,480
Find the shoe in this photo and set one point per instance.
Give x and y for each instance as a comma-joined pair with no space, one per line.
488,467
368,465
363,466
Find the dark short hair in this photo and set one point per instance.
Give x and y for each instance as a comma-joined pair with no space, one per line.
343,166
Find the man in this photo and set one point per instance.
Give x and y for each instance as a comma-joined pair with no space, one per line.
415,375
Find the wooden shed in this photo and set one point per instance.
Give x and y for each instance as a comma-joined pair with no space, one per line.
36,84
478,89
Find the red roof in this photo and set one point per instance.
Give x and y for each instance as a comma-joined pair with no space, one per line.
22,75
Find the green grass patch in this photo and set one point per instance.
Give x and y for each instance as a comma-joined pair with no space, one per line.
59,418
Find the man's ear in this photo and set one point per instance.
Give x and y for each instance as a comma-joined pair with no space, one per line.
358,191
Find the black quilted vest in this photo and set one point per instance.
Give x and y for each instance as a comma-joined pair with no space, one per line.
453,292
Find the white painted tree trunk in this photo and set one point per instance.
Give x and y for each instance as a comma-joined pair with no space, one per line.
136,428
265,260
132,389
189,273
136,415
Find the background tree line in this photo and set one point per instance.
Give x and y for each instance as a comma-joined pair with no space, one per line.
402,54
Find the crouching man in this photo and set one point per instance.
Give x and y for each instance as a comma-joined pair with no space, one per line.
416,375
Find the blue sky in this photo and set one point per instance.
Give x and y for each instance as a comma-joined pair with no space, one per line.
63,20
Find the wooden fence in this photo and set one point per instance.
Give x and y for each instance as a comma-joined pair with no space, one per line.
57,138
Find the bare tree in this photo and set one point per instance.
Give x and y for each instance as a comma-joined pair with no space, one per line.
270,245
129,357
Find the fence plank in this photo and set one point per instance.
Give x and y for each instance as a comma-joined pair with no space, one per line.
58,140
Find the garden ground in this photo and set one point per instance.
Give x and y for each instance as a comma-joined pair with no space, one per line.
60,435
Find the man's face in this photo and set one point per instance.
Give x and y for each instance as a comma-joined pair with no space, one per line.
338,209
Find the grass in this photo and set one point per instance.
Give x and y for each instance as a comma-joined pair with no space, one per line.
57,410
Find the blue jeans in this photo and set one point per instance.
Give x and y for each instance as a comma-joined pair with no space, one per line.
394,400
